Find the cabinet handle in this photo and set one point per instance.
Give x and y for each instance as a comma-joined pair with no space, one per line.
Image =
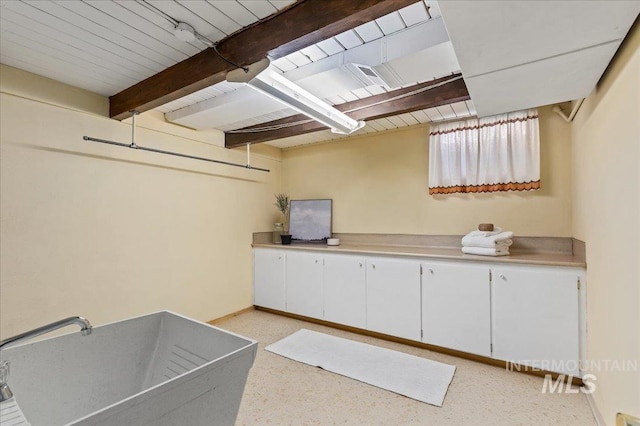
280,257
503,277
316,260
431,271
360,264
373,265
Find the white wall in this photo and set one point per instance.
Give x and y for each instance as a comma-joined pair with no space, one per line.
108,233
606,212
378,184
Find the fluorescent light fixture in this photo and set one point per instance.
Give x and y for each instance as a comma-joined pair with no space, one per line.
270,82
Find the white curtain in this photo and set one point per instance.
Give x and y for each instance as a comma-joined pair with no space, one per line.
498,153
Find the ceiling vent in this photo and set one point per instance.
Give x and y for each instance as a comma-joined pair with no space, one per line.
367,75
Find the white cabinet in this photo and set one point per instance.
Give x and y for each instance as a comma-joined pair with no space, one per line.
456,309
393,297
536,317
268,278
531,315
304,283
345,290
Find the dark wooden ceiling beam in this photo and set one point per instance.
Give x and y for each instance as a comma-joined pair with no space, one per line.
300,25
444,92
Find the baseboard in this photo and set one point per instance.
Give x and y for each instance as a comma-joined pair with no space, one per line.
576,381
231,315
594,410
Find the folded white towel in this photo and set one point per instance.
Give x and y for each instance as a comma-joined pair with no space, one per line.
493,241
477,233
484,251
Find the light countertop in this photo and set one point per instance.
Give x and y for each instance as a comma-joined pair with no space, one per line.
446,253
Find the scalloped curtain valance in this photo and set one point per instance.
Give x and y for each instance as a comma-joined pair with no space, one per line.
498,153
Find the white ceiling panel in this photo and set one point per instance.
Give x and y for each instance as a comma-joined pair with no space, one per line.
299,59
336,100
545,82
369,31
227,87
367,129
433,114
361,93
281,4
386,123
471,107
390,23
523,54
409,119
375,125
446,112
314,53
64,44
181,13
73,63
235,11
349,39
427,64
134,15
434,8
210,14
349,97
397,121
55,68
284,64
376,90
331,83
414,13
420,116
330,46
81,27
460,109
536,30
166,54
261,9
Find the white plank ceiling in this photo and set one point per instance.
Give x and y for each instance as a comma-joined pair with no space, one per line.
214,104
411,15
513,55
106,46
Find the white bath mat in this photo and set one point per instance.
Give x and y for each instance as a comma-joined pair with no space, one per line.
408,375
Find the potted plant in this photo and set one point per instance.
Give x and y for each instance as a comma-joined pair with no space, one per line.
282,203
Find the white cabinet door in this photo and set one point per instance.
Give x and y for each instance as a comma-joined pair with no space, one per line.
304,283
535,317
268,278
393,297
456,306
345,290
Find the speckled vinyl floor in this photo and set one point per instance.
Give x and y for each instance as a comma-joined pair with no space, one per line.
280,391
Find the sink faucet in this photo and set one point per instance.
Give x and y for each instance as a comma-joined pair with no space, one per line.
85,329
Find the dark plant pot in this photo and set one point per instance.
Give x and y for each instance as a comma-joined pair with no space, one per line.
286,239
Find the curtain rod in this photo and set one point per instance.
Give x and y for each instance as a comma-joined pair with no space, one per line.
133,145
177,154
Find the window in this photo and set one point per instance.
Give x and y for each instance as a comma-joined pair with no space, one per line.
498,153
